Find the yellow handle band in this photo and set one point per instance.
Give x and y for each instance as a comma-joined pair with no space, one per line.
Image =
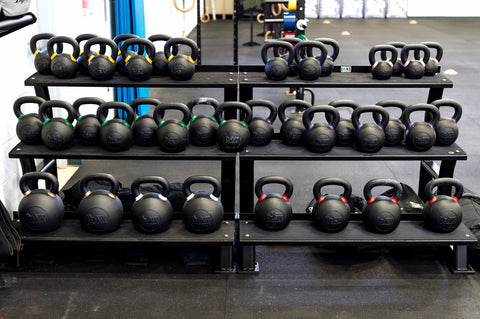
128,58
36,52
191,60
170,58
73,58
111,59
53,55
148,59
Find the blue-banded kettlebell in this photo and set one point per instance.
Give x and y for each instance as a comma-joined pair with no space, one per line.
144,127
232,134
369,137
382,69
29,126
202,128
63,65
292,130
82,59
420,136
138,67
309,67
432,66
57,132
42,58
172,135
397,65
414,68
277,67
344,130
180,66
88,126
320,137
101,66
261,127
273,211
278,52
446,129
116,133
395,129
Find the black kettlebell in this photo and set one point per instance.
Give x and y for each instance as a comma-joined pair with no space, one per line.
320,137
233,135
63,65
144,127
398,65
414,68
115,134
277,67
202,212
382,213
58,132
29,125
273,211
160,63
42,59
138,67
88,126
344,130
331,213
261,128
172,135
420,136
101,66
382,69
120,62
82,59
446,129
432,67
100,211
40,210
395,129
151,212
202,129
180,66
292,69
442,213
292,130
328,65
309,68
369,137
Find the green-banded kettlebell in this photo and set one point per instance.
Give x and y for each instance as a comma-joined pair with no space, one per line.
331,213
328,65
320,137
100,211
261,127
82,59
115,134
101,66
180,66
278,52
397,65
138,67
29,125
63,65
277,67
151,212
432,67
40,210
88,126
57,132
144,127
172,135
446,129
273,211
309,67
395,129
369,137
120,62
292,130
202,212
442,213
202,129
232,134
420,136
382,213
344,130
42,58
382,69
160,63
414,68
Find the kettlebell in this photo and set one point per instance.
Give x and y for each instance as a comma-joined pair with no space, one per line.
160,63
138,67
115,134
292,69
181,67
369,137
151,212
382,69
40,210
202,129
100,211
172,135
320,137
120,62
277,68
202,212
88,126
331,213
420,136
309,68
414,69
446,129
42,59
82,59
233,135
58,132
29,125
273,211
63,65
398,65
442,213
344,130
395,129
382,213
328,65
432,67
101,66
144,127
292,130
261,128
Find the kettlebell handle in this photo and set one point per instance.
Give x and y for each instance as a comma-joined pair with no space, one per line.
104,42
272,108
385,117
332,119
163,37
432,45
175,42
443,181
274,180
275,45
125,36
201,179
292,41
135,187
88,36
309,45
291,103
62,39
382,48
397,45
144,101
342,103
160,109
102,111
434,112
203,101
43,36
457,114
333,44
415,47
335,181
23,100
86,100
390,103
114,183
49,179
397,187
47,105
148,45
243,107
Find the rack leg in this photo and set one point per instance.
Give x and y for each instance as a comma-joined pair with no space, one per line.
42,91
248,263
460,265
228,185
434,94
226,259
246,186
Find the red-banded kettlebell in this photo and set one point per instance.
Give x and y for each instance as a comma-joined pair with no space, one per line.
115,134
261,128
320,137
292,130
273,211
42,59
328,65
277,67
202,212
432,67
369,137
151,212
101,66
40,210
278,52
233,135
446,129
63,65
442,213
88,126
414,68
382,213
101,211
331,213
160,63
382,69
29,125
138,67
420,136
202,129
120,62
144,127
397,65
172,135
181,67
344,130
57,132
82,59
395,129
309,67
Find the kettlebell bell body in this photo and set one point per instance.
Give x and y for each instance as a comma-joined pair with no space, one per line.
309,68
432,65
57,133
137,66
397,65
320,137
277,68
382,69
420,136
261,128
88,126
120,62
101,66
42,59
115,134
414,69
369,137
29,126
63,65
160,63
344,130
446,129
395,129
233,135
172,135
328,65
181,67
82,59
292,130
144,127
202,129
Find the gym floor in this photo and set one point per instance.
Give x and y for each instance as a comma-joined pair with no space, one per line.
294,281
